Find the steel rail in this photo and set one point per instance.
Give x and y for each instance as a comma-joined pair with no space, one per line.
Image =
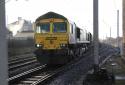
20,65
40,78
19,76
22,60
14,58
23,69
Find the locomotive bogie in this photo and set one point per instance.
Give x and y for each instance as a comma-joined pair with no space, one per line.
52,56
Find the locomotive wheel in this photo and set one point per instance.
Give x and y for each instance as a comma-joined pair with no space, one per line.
85,49
81,51
70,55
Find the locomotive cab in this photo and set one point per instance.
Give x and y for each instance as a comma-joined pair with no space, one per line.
52,34
51,40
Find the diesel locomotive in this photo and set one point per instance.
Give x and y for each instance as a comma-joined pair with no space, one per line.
58,40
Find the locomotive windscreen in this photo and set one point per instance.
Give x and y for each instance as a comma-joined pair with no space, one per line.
43,28
59,27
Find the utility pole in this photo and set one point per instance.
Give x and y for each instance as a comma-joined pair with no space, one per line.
118,28
98,73
110,36
95,34
3,46
110,32
123,16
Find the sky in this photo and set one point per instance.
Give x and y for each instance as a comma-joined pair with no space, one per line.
78,11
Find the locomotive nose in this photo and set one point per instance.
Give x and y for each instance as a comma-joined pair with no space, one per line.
56,41
51,41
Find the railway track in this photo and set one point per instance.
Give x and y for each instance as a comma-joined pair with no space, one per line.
19,57
105,53
15,66
21,63
41,74
23,69
15,79
38,76
21,60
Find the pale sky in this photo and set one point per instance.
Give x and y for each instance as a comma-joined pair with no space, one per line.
79,11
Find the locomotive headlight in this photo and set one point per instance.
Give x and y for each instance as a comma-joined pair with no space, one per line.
38,45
